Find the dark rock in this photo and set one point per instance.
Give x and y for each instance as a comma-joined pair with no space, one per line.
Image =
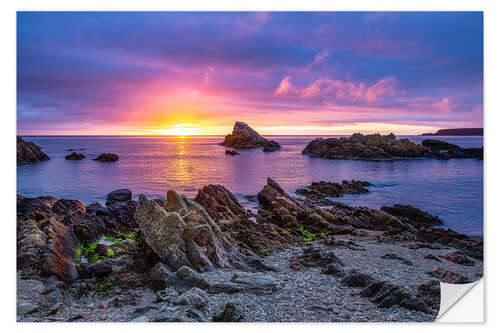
412,215
448,276
74,156
439,145
315,257
270,149
220,203
392,256
229,314
231,152
430,292
458,131
191,277
98,269
29,152
459,257
356,279
244,136
107,157
320,190
333,269
120,195
363,147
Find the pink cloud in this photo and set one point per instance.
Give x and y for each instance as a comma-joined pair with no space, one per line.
341,90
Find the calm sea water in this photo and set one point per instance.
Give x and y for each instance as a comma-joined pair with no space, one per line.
451,189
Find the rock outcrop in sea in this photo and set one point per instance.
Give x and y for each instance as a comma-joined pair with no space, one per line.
107,157
317,191
74,156
384,147
243,136
29,152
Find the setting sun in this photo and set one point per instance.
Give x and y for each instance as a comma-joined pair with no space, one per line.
181,130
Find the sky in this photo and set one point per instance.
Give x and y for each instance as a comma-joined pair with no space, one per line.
196,73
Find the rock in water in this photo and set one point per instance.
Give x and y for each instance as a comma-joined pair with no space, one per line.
231,152
322,189
74,156
119,195
29,152
439,145
244,136
107,157
363,147
182,233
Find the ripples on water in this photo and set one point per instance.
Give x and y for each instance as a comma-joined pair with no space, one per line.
451,189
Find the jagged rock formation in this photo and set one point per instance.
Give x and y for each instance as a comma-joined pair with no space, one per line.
182,233
380,147
243,136
29,152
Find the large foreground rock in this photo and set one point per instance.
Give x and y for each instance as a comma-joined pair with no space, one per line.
244,136
182,233
29,152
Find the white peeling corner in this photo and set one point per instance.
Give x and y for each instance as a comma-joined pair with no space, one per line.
462,303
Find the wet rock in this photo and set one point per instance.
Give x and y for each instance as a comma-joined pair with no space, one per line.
194,297
29,152
25,308
183,234
229,314
231,152
356,279
74,156
107,157
363,147
448,276
243,136
161,276
319,190
412,215
120,195
393,256
460,258
314,257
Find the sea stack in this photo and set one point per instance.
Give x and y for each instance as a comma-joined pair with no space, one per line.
243,136
29,152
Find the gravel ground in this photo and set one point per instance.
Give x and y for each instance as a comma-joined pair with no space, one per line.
304,296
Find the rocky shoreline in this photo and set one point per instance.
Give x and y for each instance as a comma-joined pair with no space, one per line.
375,147
211,259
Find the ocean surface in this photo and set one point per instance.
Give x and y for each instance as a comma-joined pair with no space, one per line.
451,189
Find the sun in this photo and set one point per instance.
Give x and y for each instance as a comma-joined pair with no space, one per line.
181,130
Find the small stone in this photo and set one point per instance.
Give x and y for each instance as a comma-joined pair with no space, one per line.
194,297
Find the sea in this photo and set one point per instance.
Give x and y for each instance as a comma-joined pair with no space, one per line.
152,165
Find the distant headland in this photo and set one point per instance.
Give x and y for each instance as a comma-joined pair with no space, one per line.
458,131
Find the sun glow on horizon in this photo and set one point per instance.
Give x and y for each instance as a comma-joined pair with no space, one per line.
181,130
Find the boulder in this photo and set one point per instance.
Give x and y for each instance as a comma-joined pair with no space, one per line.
107,157
439,145
412,215
194,297
182,233
120,195
243,136
220,203
74,156
29,152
